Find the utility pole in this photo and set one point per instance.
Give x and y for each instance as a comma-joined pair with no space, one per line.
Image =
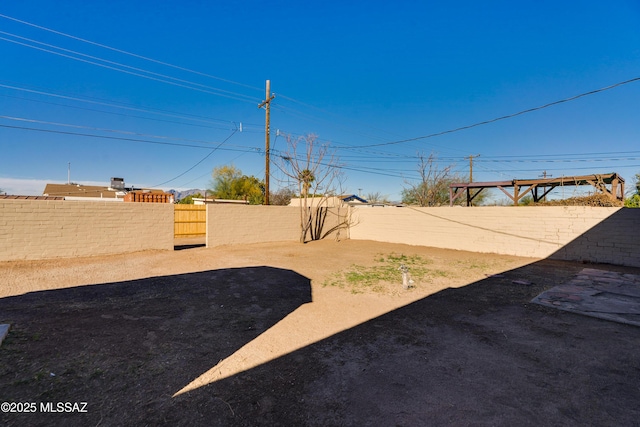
267,107
544,187
471,166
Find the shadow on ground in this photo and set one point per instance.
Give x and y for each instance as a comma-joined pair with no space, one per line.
125,348
189,243
478,355
192,246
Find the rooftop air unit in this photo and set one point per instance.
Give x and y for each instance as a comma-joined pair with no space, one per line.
117,183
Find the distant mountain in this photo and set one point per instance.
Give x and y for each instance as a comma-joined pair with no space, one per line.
178,195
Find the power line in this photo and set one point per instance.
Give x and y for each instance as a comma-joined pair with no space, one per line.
375,171
250,99
345,128
126,52
162,63
120,114
356,158
42,122
205,174
378,171
344,146
201,160
256,88
98,101
178,82
575,160
606,153
356,148
509,116
561,169
307,116
117,138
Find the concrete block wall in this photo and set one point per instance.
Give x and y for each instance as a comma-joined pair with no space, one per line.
241,224
39,229
615,240
579,233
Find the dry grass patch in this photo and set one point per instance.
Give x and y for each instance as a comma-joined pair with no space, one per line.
385,276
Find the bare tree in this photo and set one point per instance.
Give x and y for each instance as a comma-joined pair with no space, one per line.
314,167
281,197
433,187
377,197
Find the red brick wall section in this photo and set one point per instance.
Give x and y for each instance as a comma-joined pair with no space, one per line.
141,197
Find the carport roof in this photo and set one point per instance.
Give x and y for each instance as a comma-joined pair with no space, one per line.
599,181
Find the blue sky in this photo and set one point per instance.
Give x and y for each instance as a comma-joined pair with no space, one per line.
356,74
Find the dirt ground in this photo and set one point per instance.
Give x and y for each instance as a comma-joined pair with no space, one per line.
275,334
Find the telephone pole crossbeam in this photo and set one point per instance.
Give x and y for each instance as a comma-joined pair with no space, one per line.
267,107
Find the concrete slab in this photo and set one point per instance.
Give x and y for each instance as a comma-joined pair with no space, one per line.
597,293
4,330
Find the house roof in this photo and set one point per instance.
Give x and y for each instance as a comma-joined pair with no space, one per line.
351,198
202,201
97,191
330,200
9,196
77,190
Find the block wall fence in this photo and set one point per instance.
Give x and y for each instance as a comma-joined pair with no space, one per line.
241,224
576,233
39,229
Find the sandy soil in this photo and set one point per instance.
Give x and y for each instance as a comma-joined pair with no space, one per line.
316,260
254,335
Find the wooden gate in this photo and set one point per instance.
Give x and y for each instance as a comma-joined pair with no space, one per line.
190,221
